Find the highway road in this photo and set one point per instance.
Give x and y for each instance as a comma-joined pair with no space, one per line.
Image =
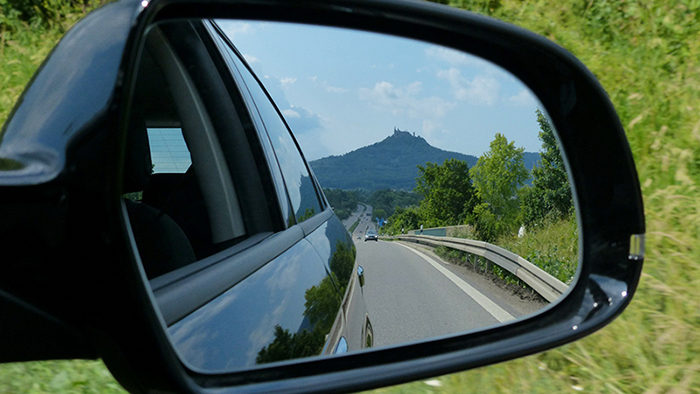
411,294
365,221
353,217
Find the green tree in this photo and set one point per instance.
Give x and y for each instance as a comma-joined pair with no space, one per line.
388,200
342,263
379,213
497,175
321,308
404,218
288,346
448,194
344,202
550,194
322,304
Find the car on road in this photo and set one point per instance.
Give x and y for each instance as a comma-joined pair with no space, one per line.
371,235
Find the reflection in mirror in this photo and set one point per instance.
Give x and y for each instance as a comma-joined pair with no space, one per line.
451,206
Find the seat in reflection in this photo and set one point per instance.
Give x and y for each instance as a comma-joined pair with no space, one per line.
162,244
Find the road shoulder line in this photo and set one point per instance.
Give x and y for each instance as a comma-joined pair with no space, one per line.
491,307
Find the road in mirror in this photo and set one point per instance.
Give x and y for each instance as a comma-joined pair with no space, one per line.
444,169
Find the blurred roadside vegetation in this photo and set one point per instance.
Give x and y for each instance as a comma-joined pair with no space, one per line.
29,29
646,54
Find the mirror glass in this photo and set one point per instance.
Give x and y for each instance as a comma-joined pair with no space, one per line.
451,206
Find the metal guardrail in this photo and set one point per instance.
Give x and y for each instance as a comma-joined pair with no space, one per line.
543,283
448,231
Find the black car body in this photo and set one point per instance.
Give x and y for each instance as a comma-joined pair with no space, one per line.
317,269
207,228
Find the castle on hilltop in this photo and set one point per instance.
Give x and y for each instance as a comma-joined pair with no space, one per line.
398,131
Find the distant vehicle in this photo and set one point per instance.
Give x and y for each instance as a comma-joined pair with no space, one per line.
371,235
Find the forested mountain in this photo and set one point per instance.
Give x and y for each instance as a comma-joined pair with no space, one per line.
388,164
530,159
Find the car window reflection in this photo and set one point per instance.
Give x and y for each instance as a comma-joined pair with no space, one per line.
300,187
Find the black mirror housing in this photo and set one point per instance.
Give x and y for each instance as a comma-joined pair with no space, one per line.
71,279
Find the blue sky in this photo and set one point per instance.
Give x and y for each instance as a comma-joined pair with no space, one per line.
340,90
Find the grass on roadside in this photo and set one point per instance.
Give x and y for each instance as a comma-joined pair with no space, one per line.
354,226
75,376
553,247
646,54
478,264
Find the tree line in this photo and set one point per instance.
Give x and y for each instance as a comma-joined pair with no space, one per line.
321,309
384,201
492,196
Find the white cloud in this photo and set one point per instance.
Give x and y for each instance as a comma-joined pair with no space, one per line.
334,89
251,59
327,87
290,113
233,28
404,100
480,90
462,60
454,57
301,120
523,99
287,81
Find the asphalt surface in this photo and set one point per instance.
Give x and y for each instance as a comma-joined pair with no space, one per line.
411,294
352,218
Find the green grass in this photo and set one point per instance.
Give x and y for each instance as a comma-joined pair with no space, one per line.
354,225
478,263
20,56
646,55
552,247
78,376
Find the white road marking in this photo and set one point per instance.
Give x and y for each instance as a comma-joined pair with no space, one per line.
491,307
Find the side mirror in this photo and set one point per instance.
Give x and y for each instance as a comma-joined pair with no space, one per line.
159,214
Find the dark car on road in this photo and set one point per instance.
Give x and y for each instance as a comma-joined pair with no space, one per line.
371,235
